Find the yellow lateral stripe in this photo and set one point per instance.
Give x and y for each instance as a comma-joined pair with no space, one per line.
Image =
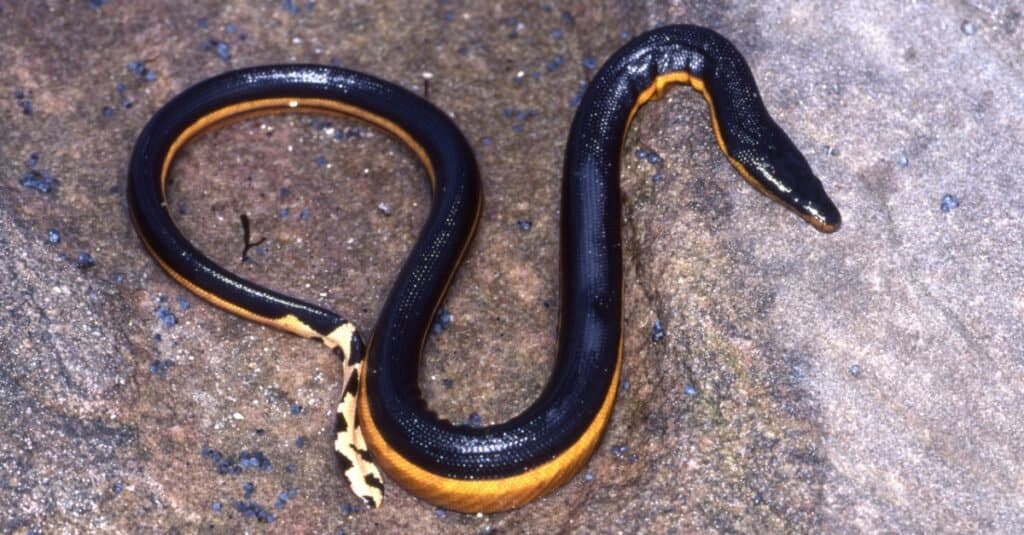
657,90
488,495
267,106
288,323
239,111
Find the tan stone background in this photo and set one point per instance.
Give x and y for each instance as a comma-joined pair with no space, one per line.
865,381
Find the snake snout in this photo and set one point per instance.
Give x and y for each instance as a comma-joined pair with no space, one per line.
790,178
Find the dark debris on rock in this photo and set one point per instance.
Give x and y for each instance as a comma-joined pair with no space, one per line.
160,366
442,320
226,464
84,261
41,181
254,510
657,331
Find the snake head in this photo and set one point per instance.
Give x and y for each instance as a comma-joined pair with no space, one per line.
780,171
803,191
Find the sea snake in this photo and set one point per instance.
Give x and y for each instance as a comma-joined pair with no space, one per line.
503,466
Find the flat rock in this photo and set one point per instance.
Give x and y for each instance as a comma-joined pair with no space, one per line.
867,380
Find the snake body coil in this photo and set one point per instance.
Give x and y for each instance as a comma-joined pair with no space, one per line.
506,465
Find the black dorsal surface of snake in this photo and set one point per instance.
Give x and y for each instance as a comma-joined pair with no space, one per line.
492,468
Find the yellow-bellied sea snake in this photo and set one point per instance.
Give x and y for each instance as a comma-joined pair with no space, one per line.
493,468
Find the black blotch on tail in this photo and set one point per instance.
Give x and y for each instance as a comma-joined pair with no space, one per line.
352,387
355,355
365,454
344,463
373,481
340,425
369,501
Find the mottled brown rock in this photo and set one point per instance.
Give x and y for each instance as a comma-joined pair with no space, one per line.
864,381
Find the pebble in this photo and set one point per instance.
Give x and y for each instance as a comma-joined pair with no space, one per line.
222,49
657,331
139,69
254,510
948,203
555,63
442,320
160,367
40,181
254,459
165,316
578,97
84,261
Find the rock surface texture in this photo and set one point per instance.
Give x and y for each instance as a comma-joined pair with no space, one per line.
775,379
